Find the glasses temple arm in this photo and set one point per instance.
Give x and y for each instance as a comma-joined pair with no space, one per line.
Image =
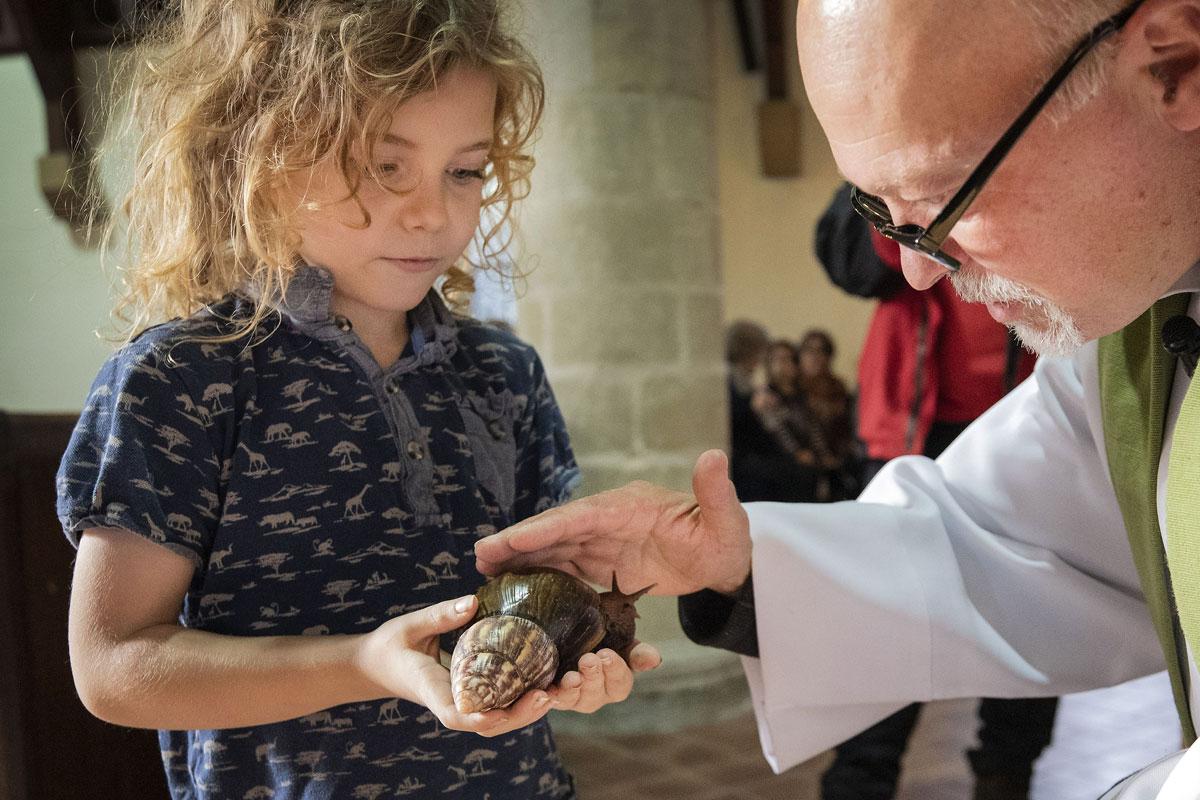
939,229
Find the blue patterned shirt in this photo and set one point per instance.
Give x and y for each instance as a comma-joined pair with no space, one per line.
316,492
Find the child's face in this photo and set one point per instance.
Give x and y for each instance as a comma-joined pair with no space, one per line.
435,153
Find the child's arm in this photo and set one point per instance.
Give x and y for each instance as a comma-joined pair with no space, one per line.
135,665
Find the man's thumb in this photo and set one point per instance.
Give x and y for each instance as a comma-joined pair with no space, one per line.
711,485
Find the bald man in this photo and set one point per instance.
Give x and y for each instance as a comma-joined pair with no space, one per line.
1044,156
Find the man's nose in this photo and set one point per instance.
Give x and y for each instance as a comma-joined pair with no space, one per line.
919,271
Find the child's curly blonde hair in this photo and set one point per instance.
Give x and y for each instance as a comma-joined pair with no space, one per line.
230,97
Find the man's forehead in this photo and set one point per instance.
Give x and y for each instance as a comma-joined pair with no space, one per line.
933,28
887,153
907,89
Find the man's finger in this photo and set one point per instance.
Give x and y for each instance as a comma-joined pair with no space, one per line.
536,533
559,557
574,522
711,485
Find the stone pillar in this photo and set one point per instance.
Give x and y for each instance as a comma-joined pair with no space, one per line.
624,296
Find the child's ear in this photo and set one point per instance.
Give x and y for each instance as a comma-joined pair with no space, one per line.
1165,41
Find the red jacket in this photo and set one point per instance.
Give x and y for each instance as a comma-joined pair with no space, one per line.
929,356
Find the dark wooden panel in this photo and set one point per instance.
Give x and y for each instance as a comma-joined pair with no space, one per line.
57,748
12,610
10,42
72,24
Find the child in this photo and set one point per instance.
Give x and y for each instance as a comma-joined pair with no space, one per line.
276,494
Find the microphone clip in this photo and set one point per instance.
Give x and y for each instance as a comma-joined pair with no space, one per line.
1181,338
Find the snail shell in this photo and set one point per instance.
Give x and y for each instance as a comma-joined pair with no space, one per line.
531,627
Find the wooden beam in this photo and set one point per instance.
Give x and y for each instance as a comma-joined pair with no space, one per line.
745,33
43,34
10,42
778,117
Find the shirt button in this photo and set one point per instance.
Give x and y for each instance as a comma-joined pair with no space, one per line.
343,324
392,387
415,452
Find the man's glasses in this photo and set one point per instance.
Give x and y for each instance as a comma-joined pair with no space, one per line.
928,241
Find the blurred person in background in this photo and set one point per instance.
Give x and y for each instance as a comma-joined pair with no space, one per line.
832,406
809,418
762,466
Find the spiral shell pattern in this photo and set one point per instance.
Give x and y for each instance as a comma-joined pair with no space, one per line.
497,660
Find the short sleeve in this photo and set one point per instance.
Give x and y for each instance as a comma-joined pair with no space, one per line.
142,458
546,470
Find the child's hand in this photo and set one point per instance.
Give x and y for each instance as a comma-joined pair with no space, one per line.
401,658
603,678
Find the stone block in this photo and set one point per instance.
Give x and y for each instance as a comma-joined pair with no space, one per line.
683,129
693,253
602,474
627,45
651,47
632,144
619,241
599,413
704,330
688,45
615,327
611,135
683,412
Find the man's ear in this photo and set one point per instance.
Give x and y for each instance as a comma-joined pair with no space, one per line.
1165,43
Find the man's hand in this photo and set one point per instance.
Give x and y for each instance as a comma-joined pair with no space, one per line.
644,533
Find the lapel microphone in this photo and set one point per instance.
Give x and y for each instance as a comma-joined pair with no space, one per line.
1181,338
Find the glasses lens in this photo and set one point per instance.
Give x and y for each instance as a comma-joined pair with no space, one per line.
875,211
872,208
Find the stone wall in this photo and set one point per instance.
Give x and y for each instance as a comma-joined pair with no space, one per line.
624,295
624,300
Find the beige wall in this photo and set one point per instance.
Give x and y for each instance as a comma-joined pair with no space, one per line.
771,275
52,295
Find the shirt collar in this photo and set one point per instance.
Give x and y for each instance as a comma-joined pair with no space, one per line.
1188,282
305,302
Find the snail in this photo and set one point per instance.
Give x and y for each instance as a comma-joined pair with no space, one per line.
531,627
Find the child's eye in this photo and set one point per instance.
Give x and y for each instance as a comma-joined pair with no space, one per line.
388,172
466,175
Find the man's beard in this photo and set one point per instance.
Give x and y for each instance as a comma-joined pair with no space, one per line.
1048,331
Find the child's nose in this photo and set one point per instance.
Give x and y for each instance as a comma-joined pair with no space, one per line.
424,207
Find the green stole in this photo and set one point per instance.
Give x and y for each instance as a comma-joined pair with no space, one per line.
1136,375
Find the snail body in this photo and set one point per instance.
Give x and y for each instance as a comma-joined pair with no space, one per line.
529,630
